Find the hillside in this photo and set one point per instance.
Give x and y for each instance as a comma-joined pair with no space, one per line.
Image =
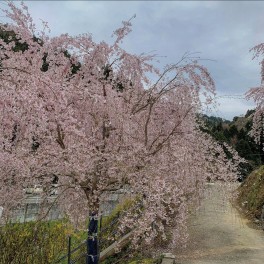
251,193
236,134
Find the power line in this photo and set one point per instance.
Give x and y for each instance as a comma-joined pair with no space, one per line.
232,96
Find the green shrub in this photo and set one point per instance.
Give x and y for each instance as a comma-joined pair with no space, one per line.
34,242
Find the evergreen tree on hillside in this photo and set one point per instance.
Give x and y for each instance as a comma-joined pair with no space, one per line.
238,137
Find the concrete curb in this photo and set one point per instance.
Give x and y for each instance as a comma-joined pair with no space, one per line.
168,258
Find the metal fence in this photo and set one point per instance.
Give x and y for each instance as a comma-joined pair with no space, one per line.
76,255
107,237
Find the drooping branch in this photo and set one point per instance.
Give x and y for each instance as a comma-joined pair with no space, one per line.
161,144
60,136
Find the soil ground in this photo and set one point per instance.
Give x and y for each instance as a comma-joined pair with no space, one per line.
220,234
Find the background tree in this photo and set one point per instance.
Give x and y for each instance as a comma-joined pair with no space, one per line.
105,126
236,133
257,95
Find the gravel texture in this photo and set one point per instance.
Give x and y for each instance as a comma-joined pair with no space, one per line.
219,234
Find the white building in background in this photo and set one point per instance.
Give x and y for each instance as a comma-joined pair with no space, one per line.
33,204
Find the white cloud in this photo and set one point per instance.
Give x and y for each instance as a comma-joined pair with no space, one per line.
231,105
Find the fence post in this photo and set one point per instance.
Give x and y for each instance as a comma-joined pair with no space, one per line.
69,249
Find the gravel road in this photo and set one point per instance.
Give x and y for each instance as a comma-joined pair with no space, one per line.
219,234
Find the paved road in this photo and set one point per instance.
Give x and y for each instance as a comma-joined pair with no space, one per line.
218,234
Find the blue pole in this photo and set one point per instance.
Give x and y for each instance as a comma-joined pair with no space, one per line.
92,241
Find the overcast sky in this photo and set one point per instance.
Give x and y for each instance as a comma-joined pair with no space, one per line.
223,31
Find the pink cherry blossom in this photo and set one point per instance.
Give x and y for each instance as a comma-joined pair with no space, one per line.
105,126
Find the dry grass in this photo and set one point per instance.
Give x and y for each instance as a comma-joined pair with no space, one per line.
251,193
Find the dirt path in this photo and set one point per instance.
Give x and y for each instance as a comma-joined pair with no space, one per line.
219,234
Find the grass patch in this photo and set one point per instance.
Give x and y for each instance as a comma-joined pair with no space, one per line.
36,242
251,193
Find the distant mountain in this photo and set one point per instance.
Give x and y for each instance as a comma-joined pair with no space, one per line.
236,134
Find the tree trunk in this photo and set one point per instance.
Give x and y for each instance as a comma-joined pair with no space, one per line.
92,254
92,241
